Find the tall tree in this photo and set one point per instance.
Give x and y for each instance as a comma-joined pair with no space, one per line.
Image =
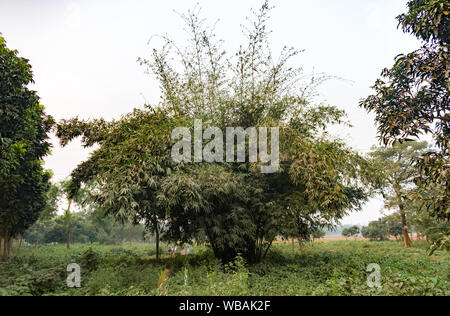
412,97
24,129
398,165
231,206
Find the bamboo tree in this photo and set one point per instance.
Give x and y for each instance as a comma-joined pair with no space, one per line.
230,206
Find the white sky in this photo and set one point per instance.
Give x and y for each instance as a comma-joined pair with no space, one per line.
84,55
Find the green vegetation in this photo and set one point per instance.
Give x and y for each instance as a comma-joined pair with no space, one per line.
233,207
24,128
233,214
351,232
376,231
85,228
333,268
398,165
391,226
413,98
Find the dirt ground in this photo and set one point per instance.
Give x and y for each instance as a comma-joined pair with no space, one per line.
342,238
339,238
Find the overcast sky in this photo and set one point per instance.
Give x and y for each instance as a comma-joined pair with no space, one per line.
84,55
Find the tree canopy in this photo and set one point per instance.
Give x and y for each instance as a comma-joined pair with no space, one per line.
412,97
398,169
231,206
24,129
376,231
351,231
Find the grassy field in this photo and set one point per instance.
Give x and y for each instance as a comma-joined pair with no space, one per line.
321,268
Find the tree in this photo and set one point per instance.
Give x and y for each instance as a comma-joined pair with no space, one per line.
375,231
394,225
50,211
86,227
429,226
346,233
57,192
233,207
319,234
24,129
412,98
398,170
77,196
350,232
423,220
128,168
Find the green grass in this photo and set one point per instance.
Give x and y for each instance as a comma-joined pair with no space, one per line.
331,268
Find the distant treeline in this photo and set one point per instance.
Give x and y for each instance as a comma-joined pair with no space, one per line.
420,223
85,228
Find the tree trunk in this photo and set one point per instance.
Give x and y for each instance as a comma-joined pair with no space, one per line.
293,244
37,242
300,244
10,246
406,240
5,248
69,229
